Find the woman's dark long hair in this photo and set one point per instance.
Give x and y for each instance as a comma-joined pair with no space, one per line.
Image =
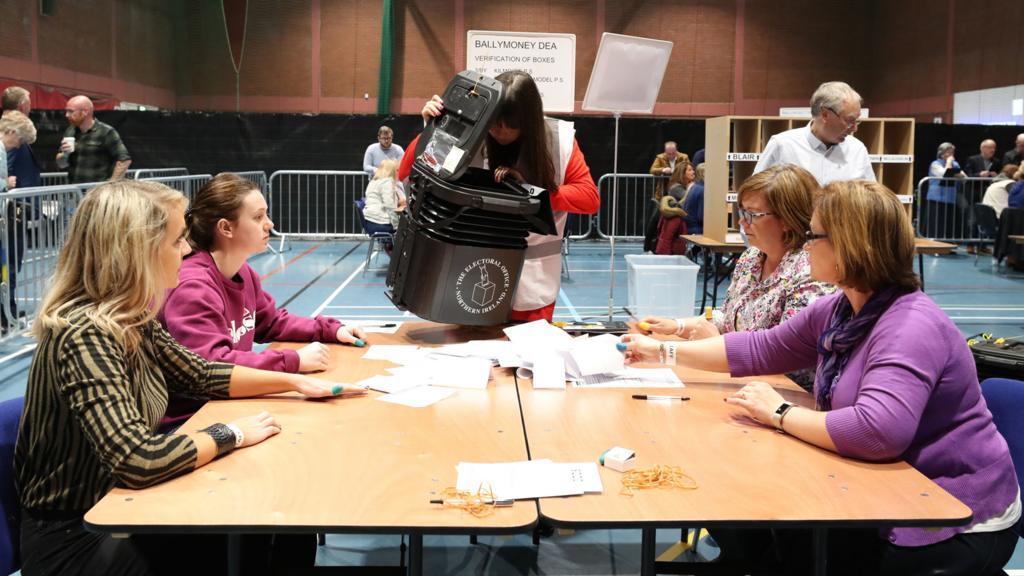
523,110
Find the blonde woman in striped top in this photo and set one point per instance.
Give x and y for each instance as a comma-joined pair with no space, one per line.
98,387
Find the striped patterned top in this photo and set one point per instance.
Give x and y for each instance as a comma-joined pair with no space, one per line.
91,415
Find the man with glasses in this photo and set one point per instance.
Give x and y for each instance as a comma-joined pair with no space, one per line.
91,150
383,149
825,147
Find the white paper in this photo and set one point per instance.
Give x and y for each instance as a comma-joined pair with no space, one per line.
518,480
733,238
597,355
457,372
396,353
419,397
585,475
538,334
389,384
632,378
548,371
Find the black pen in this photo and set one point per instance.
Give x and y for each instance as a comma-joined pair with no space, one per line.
459,501
377,325
650,397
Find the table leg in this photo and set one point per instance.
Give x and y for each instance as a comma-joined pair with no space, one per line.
714,293
415,555
234,554
648,537
820,551
707,270
920,268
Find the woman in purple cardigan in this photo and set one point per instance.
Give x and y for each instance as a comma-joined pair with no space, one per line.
895,380
219,308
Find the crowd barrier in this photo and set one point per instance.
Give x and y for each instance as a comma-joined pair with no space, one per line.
316,203
632,207
54,178
149,173
946,210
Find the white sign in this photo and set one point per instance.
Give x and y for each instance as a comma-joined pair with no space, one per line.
742,156
1018,106
549,58
805,112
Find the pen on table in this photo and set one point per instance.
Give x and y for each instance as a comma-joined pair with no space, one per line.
652,397
377,325
459,501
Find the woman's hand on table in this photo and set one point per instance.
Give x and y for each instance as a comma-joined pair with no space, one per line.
640,348
318,388
351,335
759,399
256,429
313,357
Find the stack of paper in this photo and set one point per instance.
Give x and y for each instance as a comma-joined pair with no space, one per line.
530,479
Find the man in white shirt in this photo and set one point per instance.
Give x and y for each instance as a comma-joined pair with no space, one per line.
825,147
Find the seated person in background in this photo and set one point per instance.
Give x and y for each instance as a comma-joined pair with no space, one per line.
895,381
219,309
98,386
772,280
383,149
670,221
694,204
1016,196
997,195
384,200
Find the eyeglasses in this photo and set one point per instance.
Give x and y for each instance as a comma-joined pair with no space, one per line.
849,125
810,236
748,216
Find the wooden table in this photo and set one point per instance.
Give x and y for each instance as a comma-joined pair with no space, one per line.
748,475
1017,239
924,246
713,250
353,465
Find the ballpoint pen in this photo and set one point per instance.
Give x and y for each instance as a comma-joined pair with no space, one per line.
459,501
652,397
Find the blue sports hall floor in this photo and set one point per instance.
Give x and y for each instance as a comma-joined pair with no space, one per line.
330,278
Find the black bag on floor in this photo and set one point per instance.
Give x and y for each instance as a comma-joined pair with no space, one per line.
997,357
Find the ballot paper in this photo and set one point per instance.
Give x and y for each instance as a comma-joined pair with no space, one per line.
529,479
500,352
449,371
395,353
596,355
548,371
632,378
389,384
538,334
418,397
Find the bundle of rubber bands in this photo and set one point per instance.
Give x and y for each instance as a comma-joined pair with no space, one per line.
656,477
480,504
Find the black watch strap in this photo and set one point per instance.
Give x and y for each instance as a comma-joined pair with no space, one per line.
222,436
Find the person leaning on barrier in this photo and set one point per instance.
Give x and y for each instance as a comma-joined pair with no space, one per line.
21,162
664,165
694,203
671,225
826,146
92,151
98,386
772,280
997,195
15,130
985,164
942,212
219,309
895,381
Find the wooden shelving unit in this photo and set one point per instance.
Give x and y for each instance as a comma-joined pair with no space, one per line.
734,143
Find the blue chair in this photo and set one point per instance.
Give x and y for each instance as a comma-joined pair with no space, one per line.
10,532
1005,399
378,240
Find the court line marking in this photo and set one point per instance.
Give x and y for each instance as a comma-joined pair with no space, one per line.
288,263
568,304
337,291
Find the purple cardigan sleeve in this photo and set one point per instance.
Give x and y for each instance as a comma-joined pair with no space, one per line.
790,346
194,316
276,324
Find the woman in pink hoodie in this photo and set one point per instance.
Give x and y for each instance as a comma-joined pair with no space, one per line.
219,308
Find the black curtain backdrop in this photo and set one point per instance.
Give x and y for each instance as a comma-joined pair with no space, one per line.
214,142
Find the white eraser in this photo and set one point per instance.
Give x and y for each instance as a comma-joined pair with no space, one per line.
619,459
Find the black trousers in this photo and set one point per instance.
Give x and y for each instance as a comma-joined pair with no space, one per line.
855,552
65,547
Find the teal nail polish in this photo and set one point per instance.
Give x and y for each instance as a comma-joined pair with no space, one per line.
336,389
621,346
359,343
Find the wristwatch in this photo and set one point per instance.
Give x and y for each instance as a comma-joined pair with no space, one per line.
780,413
222,436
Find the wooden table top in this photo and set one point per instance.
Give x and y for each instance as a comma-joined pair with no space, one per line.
715,245
1017,239
347,465
747,474
926,246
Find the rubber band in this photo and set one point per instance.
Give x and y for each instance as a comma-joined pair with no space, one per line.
657,477
480,504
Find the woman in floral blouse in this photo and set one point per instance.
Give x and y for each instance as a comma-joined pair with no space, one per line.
772,280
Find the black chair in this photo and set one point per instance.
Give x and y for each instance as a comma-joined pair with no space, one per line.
378,240
10,509
987,225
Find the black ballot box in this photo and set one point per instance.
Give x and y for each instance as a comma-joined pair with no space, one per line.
461,240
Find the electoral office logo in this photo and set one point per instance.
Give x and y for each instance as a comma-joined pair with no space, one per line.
482,286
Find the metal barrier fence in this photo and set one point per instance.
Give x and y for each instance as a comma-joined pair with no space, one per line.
33,226
188,185
150,173
945,208
316,203
257,177
634,207
54,178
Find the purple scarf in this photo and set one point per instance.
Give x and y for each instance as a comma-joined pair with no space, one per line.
843,334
